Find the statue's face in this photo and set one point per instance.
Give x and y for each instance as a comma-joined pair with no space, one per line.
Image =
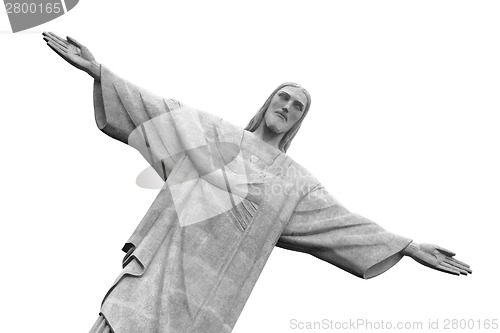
285,110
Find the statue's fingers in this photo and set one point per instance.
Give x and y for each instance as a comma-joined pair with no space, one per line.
445,251
460,270
448,270
59,40
74,41
459,262
48,38
50,33
454,261
56,46
57,49
63,44
458,265
53,35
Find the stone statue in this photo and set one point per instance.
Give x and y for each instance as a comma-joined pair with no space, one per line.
230,195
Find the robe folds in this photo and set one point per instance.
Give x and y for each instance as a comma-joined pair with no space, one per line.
228,199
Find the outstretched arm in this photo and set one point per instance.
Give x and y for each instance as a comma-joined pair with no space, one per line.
124,111
436,257
74,53
321,226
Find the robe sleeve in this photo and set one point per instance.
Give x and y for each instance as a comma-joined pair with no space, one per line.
151,124
325,229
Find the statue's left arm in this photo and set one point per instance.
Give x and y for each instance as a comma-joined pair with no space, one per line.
322,227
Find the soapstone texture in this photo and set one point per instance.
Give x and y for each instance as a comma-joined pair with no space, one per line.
196,255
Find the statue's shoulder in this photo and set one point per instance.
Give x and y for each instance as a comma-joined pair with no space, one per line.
311,188
300,176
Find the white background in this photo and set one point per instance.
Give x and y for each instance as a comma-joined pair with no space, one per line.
403,129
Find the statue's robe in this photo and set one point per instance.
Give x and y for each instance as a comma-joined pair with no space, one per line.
196,255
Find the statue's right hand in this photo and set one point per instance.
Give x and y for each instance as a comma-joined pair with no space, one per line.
73,52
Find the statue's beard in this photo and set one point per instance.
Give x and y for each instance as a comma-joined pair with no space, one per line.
273,127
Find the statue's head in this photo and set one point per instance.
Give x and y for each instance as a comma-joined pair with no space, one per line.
283,112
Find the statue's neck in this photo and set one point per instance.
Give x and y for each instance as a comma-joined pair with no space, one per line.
268,136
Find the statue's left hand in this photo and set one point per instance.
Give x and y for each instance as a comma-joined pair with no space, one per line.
438,258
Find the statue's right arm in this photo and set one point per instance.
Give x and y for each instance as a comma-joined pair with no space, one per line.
74,53
120,108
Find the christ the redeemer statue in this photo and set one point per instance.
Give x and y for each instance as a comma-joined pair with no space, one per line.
230,196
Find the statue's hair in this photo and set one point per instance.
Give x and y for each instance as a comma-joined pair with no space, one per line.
259,116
